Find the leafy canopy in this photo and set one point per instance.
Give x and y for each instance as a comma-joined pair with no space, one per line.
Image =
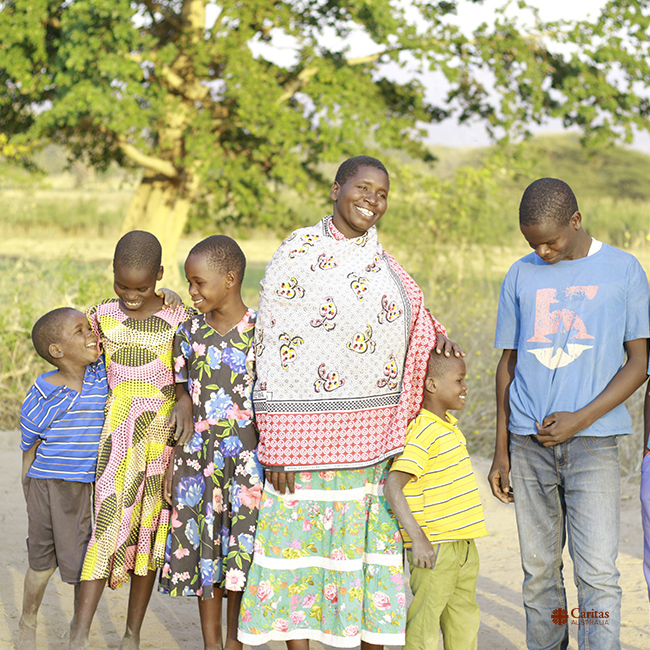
247,96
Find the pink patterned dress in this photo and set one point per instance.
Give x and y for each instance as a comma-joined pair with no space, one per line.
131,518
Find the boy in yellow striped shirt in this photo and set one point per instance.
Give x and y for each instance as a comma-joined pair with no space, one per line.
432,491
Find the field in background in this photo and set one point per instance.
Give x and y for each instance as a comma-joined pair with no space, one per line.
59,229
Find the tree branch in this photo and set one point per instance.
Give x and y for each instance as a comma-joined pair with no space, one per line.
193,13
193,90
217,23
158,165
305,75
295,84
54,21
154,7
367,59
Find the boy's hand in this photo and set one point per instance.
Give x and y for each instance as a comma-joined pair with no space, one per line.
498,479
170,298
167,481
181,420
447,347
281,481
424,555
558,427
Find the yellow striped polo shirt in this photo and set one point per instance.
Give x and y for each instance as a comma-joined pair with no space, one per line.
443,494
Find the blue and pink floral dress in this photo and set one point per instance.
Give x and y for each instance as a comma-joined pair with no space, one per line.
217,483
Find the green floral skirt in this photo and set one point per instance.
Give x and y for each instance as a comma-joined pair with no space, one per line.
327,563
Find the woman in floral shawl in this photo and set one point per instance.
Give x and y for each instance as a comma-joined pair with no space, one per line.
342,342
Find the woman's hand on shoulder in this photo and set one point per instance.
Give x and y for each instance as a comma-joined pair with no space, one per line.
447,347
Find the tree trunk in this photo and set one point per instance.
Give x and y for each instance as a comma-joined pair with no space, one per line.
161,205
162,201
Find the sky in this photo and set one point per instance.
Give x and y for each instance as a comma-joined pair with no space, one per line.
450,133
469,16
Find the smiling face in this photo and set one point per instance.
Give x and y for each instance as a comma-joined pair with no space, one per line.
554,241
208,287
445,385
135,287
77,342
360,202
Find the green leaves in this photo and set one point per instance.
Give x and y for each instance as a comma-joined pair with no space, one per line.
242,99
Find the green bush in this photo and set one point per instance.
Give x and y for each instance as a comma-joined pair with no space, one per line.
468,311
64,213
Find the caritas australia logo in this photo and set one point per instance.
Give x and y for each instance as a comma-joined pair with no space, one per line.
560,616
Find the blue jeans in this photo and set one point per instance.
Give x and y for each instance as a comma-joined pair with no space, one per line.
572,488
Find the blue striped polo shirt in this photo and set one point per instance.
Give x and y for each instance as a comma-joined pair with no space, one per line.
67,423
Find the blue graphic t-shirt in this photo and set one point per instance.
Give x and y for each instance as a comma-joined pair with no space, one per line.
568,322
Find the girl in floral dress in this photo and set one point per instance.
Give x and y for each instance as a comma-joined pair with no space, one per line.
214,483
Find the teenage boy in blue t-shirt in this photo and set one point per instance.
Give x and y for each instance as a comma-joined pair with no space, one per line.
572,323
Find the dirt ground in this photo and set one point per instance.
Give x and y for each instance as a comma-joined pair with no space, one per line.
173,623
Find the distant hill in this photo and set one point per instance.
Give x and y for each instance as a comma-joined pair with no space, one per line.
616,172
612,185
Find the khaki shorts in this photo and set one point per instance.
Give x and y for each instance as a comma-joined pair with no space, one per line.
59,515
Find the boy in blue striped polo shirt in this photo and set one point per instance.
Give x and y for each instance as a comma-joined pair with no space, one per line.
61,421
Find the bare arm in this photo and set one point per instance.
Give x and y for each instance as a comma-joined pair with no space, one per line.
500,470
170,298
180,419
562,425
168,480
423,551
646,416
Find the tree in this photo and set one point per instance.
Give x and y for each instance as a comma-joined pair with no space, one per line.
188,91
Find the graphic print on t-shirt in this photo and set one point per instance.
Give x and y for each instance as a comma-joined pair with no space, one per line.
561,325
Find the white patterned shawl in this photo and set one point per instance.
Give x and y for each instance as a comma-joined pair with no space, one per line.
342,343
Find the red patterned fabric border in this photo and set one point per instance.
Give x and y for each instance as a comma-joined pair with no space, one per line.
361,437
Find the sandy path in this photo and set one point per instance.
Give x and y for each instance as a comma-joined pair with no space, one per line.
173,623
